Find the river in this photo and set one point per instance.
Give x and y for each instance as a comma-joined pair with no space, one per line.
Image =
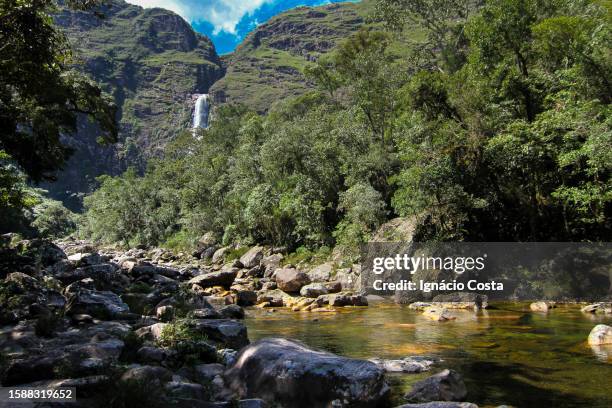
506,354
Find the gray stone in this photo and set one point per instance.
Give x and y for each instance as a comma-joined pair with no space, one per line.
405,365
230,333
601,334
223,278
314,290
321,273
288,373
252,257
447,385
103,305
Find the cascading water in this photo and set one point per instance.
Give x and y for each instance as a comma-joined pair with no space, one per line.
201,112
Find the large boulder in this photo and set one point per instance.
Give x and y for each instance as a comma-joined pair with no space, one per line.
288,373
291,280
252,257
103,305
601,334
230,333
223,278
447,385
321,273
598,308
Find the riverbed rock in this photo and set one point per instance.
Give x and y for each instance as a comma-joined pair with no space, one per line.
230,333
252,257
598,308
288,373
321,273
223,278
447,385
542,306
291,280
314,290
462,300
148,374
601,334
406,365
103,305
437,313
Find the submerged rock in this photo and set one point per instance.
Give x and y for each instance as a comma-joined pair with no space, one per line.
601,307
289,373
601,334
405,365
447,385
437,313
542,306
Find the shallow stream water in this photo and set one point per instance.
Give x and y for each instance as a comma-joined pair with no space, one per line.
506,354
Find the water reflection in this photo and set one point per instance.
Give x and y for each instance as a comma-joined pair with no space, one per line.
507,355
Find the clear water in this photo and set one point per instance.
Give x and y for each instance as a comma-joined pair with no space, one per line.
507,355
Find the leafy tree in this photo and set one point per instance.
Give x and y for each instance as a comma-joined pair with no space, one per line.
40,96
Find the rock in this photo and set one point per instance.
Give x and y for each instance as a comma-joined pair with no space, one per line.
344,299
333,287
246,298
252,257
601,307
223,278
405,365
314,290
463,300
152,332
232,312
271,263
287,373
440,404
148,374
275,298
420,306
84,259
228,332
321,273
437,313
103,305
165,313
186,390
601,334
227,356
156,355
447,385
543,306
205,314
291,280
219,254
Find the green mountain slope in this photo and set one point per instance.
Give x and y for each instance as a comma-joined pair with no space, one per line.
268,65
152,62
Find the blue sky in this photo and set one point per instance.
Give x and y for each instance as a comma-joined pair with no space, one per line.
227,22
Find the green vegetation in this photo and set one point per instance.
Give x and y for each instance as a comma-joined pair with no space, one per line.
41,99
505,135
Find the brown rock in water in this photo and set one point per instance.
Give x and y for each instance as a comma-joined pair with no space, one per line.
542,306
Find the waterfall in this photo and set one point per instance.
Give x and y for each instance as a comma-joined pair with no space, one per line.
201,112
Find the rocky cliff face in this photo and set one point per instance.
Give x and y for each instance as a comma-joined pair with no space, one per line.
268,66
151,61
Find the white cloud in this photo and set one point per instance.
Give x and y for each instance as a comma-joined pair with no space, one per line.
224,15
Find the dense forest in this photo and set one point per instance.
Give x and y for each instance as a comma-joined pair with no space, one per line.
494,126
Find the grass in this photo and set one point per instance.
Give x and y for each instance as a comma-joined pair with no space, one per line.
307,257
